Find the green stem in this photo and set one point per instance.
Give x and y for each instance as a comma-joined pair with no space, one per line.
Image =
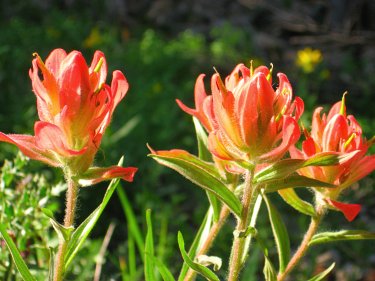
239,244
214,230
71,203
304,246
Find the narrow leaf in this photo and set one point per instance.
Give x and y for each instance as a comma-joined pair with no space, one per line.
131,220
204,271
292,198
198,240
82,232
149,250
342,235
16,255
323,274
163,270
293,181
205,155
285,167
201,173
280,233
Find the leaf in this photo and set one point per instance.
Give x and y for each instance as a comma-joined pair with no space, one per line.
201,173
82,232
131,220
62,231
198,240
292,198
204,271
294,181
268,270
203,151
323,274
285,167
16,255
149,250
342,235
280,233
51,270
205,155
163,270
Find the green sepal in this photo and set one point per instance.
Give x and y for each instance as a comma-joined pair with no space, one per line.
204,271
342,235
323,274
16,255
201,173
285,167
280,234
293,181
205,155
292,198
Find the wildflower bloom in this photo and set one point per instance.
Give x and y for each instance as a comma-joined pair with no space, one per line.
308,59
75,107
342,134
247,120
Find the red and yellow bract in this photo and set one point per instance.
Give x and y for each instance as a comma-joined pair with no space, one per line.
75,106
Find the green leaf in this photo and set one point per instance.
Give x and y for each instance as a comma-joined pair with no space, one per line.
51,270
203,151
163,270
149,250
280,233
205,155
16,255
293,181
198,240
131,220
268,270
82,232
285,167
342,235
62,231
292,198
323,274
201,173
204,271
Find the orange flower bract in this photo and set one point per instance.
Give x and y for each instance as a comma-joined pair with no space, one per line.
336,132
75,106
247,120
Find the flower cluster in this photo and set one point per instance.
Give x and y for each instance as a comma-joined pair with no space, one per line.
247,120
75,106
251,124
341,133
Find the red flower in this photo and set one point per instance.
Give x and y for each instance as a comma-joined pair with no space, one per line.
339,133
75,107
246,118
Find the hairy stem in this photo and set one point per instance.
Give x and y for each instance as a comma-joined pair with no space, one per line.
71,203
239,243
304,246
214,230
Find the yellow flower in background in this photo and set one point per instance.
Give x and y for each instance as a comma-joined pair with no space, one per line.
308,59
94,38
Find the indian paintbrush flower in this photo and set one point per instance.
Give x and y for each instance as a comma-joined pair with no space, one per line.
75,106
341,133
247,120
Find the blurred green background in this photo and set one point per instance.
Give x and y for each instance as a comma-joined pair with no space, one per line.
324,47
